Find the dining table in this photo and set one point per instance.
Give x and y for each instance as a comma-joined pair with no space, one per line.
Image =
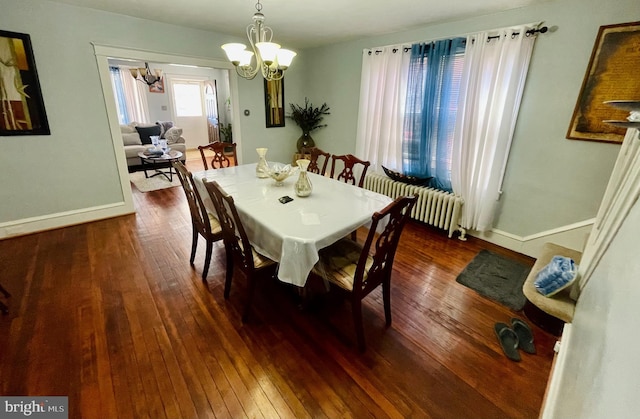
292,233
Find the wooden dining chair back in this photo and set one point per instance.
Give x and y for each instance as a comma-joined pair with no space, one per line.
203,223
220,158
319,167
359,269
240,253
349,163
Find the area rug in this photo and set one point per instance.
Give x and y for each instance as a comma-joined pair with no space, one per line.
152,183
496,277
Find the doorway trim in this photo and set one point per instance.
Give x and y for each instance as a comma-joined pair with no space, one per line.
104,52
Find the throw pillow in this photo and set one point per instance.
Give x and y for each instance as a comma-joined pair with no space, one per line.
164,127
128,129
131,138
173,134
147,132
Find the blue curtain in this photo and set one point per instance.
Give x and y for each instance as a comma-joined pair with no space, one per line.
432,98
118,92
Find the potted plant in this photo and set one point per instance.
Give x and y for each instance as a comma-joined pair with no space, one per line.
227,134
308,118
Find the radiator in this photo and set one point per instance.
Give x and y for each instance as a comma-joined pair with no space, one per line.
434,207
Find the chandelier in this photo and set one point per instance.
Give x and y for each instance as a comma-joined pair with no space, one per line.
270,58
145,74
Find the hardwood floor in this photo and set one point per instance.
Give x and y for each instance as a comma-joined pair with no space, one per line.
111,314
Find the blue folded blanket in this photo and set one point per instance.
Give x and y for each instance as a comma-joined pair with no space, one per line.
556,276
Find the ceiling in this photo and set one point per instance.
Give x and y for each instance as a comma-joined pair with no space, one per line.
304,23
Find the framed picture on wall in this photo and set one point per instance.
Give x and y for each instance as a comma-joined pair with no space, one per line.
274,103
612,74
21,106
157,87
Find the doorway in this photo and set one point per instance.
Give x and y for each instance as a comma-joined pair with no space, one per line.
187,100
104,53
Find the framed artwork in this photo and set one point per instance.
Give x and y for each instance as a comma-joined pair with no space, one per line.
21,106
274,103
157,87
612,74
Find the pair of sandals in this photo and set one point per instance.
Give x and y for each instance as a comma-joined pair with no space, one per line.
518,336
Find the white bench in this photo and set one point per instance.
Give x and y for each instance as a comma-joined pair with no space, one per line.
549,313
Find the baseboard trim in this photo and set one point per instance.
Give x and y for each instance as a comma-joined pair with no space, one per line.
574,236
62,219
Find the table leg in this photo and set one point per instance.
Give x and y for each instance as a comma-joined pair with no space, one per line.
144,163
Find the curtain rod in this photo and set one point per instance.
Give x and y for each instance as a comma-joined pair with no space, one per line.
530,32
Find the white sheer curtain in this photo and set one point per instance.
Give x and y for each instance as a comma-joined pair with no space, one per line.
495,70
135,94
382,96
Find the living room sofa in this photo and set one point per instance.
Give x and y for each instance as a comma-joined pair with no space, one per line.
137,137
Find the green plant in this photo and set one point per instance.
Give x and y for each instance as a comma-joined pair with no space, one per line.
227,134
308,118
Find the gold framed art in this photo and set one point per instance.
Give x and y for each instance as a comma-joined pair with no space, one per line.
612,74
274,102
22,109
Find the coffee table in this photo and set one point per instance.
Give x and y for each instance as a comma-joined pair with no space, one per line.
157,163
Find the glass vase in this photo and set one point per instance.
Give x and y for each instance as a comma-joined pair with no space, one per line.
262,168
305,141
303,185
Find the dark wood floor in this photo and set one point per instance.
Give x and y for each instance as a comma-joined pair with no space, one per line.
112,315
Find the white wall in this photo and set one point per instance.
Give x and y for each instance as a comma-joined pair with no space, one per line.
550,182
600,376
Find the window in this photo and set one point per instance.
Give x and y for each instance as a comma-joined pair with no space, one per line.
187,99
118,92
435,71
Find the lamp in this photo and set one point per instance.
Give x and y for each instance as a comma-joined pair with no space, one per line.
270,58
145,74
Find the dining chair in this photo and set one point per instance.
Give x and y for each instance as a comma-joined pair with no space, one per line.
219,158
349,163
203,223
239,251
315,153
350,266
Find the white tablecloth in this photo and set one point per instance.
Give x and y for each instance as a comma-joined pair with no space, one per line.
292,233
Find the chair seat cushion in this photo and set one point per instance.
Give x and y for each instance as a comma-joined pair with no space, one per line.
215,224
260,261
338,263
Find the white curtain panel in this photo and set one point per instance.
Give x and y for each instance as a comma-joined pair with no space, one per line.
495,70
135,94
381,114
620,196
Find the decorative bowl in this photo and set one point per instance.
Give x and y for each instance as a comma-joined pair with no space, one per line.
279,172
411,180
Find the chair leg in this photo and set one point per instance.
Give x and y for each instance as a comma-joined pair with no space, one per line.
194,244
386,298
4,292
356,308
229,276
207,260
247,307
3,308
